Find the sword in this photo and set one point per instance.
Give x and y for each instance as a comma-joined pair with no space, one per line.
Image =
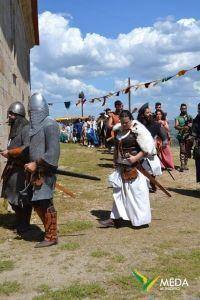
65,190
166,168
153,180
73,174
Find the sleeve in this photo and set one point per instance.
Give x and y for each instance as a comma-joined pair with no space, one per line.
25,139
52,145
25,136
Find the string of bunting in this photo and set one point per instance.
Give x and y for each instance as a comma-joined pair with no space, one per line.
126,90
66,103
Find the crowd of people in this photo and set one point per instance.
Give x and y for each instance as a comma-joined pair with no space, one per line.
141,151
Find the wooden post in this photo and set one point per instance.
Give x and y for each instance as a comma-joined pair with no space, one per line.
82,107
82,97
129,95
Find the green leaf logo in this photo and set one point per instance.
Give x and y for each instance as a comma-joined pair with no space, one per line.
146,282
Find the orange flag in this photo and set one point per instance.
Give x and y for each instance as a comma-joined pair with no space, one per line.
182,72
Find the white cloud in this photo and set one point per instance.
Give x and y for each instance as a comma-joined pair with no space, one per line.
66,60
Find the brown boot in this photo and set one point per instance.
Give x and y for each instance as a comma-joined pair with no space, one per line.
50,224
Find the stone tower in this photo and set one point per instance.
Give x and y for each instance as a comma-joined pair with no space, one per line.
18,34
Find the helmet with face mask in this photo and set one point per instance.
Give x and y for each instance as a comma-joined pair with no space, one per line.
17,108
38,109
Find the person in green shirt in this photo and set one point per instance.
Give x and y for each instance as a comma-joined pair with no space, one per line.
183,124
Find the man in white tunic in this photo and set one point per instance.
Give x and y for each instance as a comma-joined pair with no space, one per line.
130,191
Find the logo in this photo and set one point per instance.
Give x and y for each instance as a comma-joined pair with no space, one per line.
146,282
173,283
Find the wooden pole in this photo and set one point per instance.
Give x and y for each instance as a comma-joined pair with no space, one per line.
129,95
82,107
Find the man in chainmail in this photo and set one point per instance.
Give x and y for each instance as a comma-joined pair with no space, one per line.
14,175
44,155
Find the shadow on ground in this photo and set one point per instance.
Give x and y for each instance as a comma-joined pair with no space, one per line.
105,214
108,159
186,192
109,166
8,221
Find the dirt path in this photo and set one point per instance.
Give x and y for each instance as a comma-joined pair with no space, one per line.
91,262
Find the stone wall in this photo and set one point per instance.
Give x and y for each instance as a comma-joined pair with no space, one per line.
16,39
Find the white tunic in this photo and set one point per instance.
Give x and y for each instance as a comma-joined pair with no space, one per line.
131,198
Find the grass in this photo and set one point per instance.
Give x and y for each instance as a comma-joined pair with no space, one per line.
74,226
119,258
6,265
43,288
9,287
127,285
74,291
180,264
166,249
69,246
99,253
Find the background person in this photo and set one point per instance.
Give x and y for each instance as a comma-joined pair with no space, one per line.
183,124
165,153
14,177
196,135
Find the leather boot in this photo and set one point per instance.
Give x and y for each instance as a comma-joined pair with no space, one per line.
23,219
50,224
107,223
182,168
185,165
41,213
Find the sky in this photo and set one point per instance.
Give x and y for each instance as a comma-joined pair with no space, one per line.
94,46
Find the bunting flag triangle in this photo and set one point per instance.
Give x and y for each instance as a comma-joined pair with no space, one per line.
78,102
127,90
155,83
181,73
137,87
92,100
166,78
147,85
117,93
67,104
104,100
50,104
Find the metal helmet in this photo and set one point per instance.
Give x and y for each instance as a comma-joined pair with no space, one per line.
38,108
17,108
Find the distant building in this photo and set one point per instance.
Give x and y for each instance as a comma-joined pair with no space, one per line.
18,34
